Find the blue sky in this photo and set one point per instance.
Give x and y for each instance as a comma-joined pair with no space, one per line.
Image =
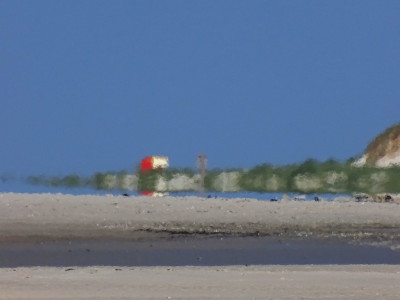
90,86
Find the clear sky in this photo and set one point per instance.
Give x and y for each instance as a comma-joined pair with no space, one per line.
89,86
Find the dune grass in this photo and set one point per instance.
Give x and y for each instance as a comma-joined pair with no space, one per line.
311,176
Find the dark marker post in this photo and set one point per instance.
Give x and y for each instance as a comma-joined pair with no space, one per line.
202,166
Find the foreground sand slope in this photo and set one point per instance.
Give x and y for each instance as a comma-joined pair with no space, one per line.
25,218
68,216
234,282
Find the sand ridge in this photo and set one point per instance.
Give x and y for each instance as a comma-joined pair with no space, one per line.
55,216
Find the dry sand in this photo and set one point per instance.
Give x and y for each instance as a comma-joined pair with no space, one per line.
57,216
234,282
38,217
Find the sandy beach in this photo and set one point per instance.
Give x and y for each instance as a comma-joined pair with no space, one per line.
33,218
235,282
58,216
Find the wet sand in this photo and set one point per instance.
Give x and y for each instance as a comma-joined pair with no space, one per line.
193,251
38,218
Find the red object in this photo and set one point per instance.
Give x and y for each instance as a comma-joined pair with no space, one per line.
147,163
146,193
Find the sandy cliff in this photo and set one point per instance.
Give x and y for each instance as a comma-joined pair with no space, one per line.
384,150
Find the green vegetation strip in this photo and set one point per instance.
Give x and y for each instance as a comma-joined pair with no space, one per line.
310,176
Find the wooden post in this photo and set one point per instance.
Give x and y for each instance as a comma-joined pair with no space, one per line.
202,167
